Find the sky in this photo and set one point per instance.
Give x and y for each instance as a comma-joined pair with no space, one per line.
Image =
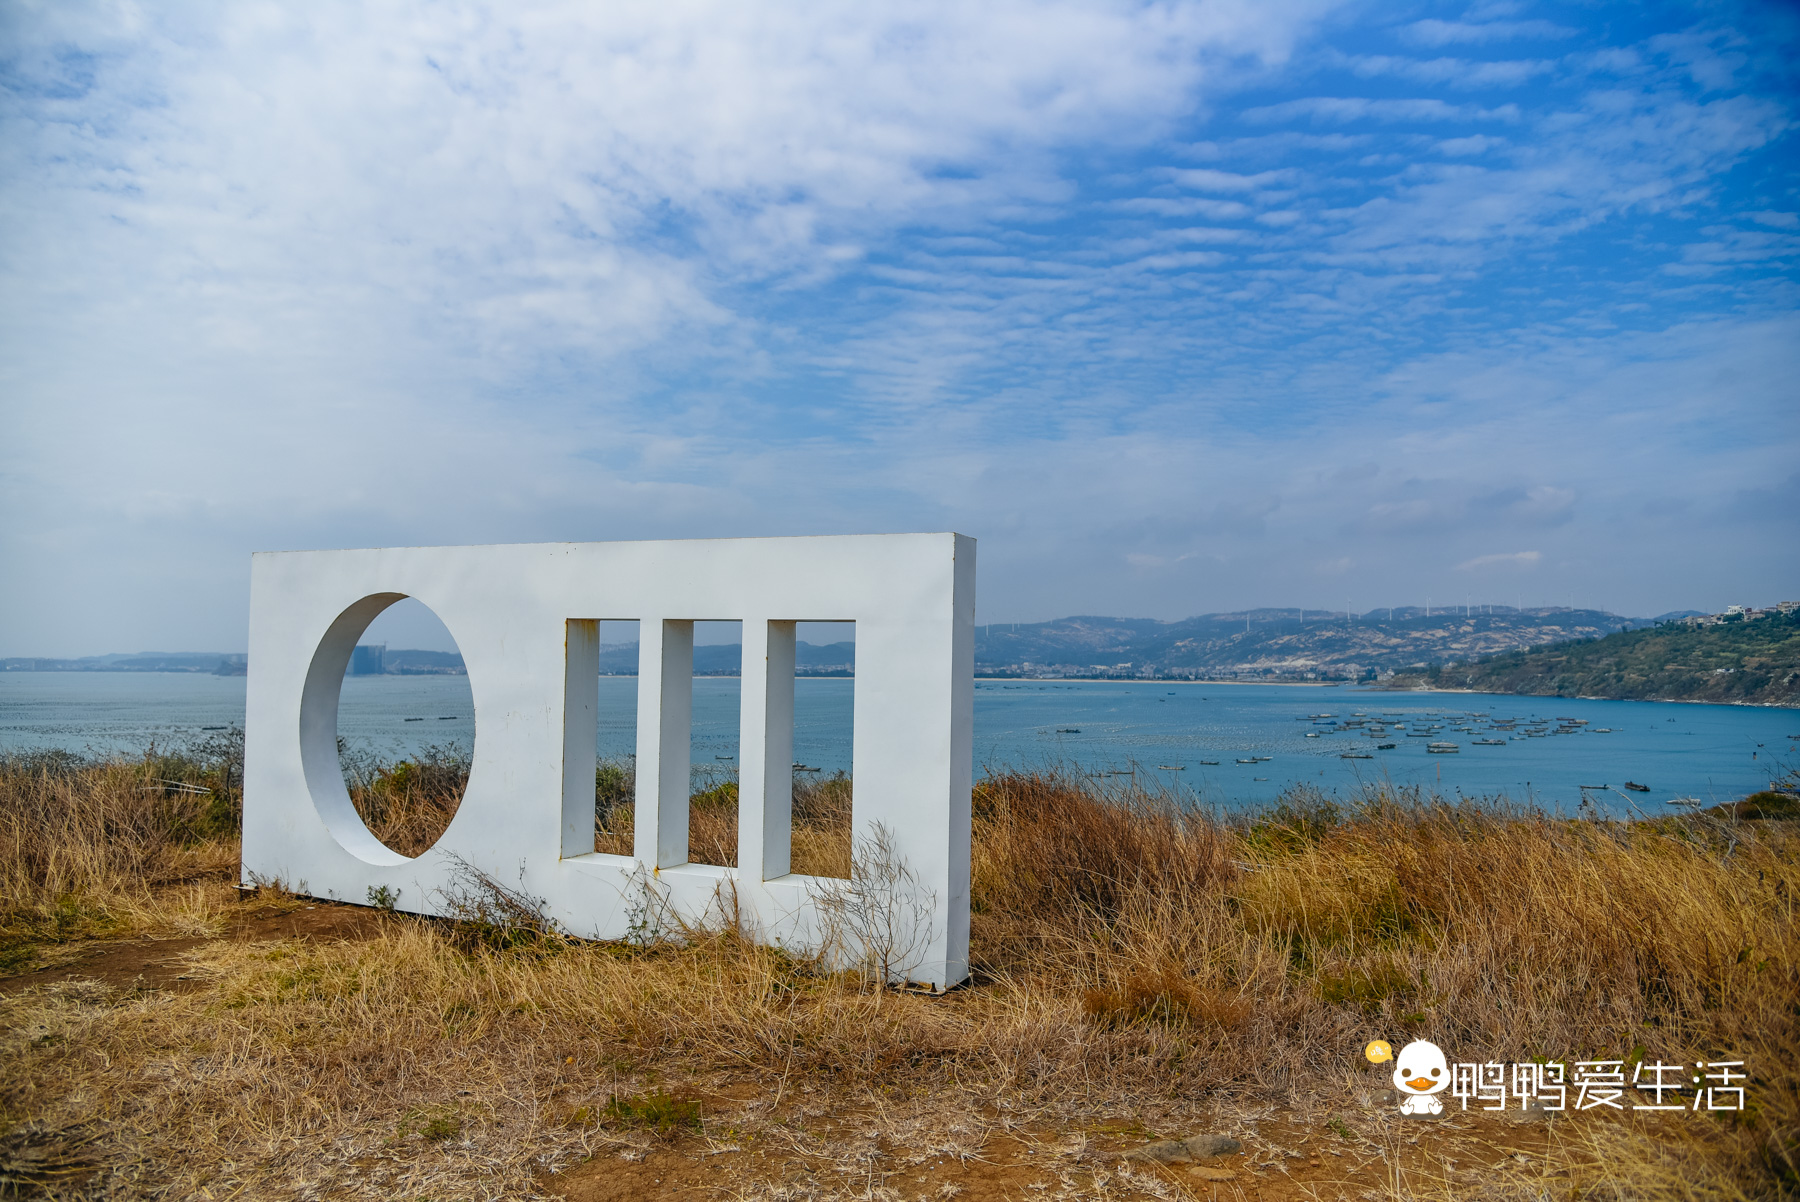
1174,307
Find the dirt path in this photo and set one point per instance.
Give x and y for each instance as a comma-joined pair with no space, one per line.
158,963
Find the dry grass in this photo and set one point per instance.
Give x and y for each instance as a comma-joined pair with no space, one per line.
1137,961
821,820
408,804
91,849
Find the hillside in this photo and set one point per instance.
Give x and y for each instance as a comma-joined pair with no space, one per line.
222,663
1276,643
726,659
1754,662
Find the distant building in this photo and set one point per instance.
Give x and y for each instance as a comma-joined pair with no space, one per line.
369,659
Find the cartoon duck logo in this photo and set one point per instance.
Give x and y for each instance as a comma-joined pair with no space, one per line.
1420,1072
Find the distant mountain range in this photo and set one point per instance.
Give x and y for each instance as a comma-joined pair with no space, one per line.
616,659
217,663
1276,644
1260,644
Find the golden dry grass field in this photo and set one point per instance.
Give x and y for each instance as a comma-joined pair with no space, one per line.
1142,970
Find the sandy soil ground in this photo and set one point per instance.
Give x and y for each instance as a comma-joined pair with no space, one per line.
803,1146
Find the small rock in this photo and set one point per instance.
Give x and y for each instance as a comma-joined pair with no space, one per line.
1182,1151
1208,1173
1531,1112
1202,1146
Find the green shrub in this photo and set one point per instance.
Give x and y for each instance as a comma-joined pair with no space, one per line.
659,1111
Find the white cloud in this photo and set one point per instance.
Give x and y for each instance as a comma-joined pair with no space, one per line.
1459,73
1643,152
552,172
1474,144
1433,32
1344,109
1189,206
1205,180
1510,559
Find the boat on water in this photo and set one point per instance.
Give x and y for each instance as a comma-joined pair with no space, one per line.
1068,730
1386,746
1488,742
1210,763
1442,748
1637,788
1688,802
1173,767
1251,760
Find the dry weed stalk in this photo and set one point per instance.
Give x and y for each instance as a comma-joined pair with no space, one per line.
879,920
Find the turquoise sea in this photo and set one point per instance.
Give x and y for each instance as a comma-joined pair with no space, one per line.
1178,735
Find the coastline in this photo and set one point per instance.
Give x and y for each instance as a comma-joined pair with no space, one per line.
1760,705
1296,684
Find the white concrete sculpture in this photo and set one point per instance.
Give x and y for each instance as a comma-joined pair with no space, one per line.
527,621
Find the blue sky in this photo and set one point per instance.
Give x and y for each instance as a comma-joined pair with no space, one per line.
1175,307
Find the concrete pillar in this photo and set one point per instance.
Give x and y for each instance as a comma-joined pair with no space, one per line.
766,751
581,706
664,740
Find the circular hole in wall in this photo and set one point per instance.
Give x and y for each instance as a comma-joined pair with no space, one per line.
406,727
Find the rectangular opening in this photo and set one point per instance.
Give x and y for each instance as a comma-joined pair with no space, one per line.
824,723
615,736
713,748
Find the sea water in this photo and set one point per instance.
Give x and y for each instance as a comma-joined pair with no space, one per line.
1164,734
1161,734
